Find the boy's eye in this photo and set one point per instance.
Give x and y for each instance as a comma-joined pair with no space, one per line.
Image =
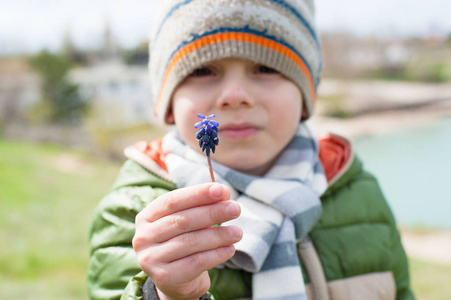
266,70
199,72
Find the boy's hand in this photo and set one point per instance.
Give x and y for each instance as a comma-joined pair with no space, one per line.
176,244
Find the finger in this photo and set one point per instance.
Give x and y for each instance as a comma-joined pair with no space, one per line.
182,199
198,241
190,267
185,290
185,221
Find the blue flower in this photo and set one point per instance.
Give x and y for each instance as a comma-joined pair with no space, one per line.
207,134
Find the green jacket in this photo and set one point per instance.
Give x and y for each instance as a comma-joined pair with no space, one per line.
356,239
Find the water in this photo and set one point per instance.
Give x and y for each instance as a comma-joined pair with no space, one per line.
414,170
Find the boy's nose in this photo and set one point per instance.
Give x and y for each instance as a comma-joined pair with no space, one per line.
235,94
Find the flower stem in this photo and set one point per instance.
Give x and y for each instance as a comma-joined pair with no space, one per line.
211,169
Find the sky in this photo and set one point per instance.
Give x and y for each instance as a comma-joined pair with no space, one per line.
31,25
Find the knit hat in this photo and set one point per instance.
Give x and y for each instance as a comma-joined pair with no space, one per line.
188,34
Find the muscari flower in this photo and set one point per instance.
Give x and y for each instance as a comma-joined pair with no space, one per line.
208,138
207,134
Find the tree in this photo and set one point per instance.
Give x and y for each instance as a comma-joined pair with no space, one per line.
138,55
71,52
60,98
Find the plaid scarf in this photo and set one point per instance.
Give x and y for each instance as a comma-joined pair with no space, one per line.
277,210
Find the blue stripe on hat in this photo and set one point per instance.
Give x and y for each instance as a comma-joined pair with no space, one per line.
176,7
300,17
279,2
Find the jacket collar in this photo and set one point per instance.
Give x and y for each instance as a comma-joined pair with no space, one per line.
335,153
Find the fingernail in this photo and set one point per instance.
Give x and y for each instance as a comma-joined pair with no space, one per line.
230,249
232,209
236,231
216,191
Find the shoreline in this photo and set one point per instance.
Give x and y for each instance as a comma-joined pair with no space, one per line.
381,109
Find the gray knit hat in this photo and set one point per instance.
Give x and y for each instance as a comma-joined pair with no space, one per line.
188,34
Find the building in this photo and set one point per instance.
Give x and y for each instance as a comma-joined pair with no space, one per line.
122,90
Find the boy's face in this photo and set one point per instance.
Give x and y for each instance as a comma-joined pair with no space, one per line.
257,108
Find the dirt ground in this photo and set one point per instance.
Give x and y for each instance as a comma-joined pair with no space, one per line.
432,246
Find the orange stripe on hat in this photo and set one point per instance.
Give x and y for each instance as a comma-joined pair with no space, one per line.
236,36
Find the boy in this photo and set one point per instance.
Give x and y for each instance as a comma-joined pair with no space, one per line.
303,223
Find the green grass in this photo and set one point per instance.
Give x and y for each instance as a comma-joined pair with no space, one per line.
430,281
47,198
334,107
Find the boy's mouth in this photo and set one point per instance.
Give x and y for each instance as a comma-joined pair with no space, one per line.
238,131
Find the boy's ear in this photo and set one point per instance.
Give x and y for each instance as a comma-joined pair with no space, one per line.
170,116
304,114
